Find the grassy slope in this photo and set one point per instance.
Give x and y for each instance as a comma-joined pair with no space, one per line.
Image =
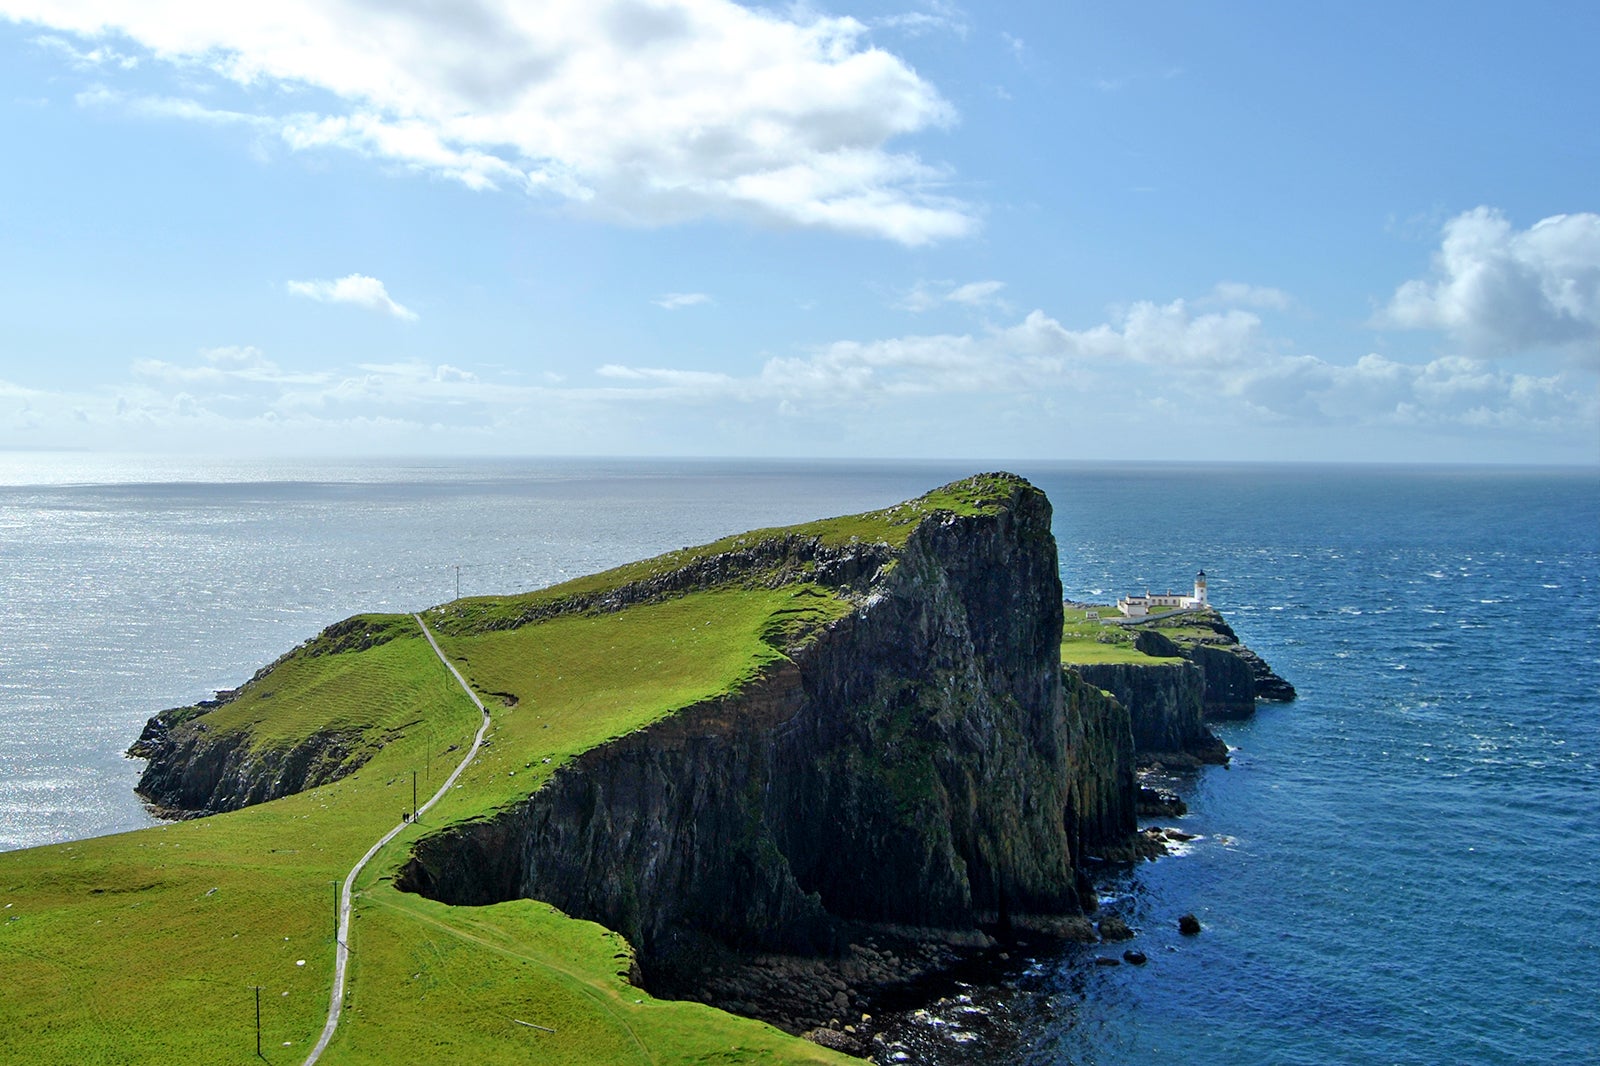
147,946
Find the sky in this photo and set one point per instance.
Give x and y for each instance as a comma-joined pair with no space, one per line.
919,229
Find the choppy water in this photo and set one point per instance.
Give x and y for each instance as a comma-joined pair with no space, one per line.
1401,867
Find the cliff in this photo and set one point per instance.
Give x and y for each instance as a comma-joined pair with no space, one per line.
1165,702
257,742
849,743
1173,674
1235,677
918,761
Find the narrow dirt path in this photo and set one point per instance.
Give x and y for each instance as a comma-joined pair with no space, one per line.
341,955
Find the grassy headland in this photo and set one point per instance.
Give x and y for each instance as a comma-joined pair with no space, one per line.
150,946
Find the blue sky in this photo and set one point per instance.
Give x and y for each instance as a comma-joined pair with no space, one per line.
1167,230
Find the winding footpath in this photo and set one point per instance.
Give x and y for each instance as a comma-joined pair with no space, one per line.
341,956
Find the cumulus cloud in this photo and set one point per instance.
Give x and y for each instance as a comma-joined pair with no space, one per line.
1176,365
645,110
1451,392
1496,289
672,301
1167,357
357,289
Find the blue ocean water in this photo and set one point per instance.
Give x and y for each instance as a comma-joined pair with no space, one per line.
1401,867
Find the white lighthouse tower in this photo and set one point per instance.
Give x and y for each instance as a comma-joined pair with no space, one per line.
1200,589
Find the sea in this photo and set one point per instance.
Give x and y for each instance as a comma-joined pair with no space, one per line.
1401,866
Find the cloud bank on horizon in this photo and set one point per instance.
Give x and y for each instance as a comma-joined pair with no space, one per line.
696,147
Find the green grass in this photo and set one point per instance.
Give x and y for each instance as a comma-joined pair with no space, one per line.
567,684
1086,641
889,527
321,687
147,947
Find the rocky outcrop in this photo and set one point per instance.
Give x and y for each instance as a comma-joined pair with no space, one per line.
922,763
1214,678
198,767
1230,691
193,773
1269,686
1236,677
1165,703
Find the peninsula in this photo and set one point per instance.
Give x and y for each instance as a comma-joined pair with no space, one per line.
777,773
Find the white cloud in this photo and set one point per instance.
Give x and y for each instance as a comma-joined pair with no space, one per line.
232,367
975,293
357,289
1215,366
672,301
165,107
939,17
1238,294
87,60
1451,392
927,295
1498,290
645,110
1207,376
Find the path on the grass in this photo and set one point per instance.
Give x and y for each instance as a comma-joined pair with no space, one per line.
341,951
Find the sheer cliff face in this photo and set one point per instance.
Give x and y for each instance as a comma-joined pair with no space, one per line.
916,763
1166,704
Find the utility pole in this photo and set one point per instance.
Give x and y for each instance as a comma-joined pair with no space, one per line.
413,795
458,581
335,885
258,1021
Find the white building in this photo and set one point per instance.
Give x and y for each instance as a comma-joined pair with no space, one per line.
1141,606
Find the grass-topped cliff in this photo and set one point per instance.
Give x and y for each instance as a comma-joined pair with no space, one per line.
149,946
1172,672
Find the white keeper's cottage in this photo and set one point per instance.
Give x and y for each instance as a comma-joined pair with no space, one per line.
1141,606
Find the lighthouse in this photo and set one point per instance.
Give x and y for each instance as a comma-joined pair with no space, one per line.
1200,589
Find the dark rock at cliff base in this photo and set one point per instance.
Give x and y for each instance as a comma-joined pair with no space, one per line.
1160,803
923,763
1269,686
192,773
1114,928
1189,925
